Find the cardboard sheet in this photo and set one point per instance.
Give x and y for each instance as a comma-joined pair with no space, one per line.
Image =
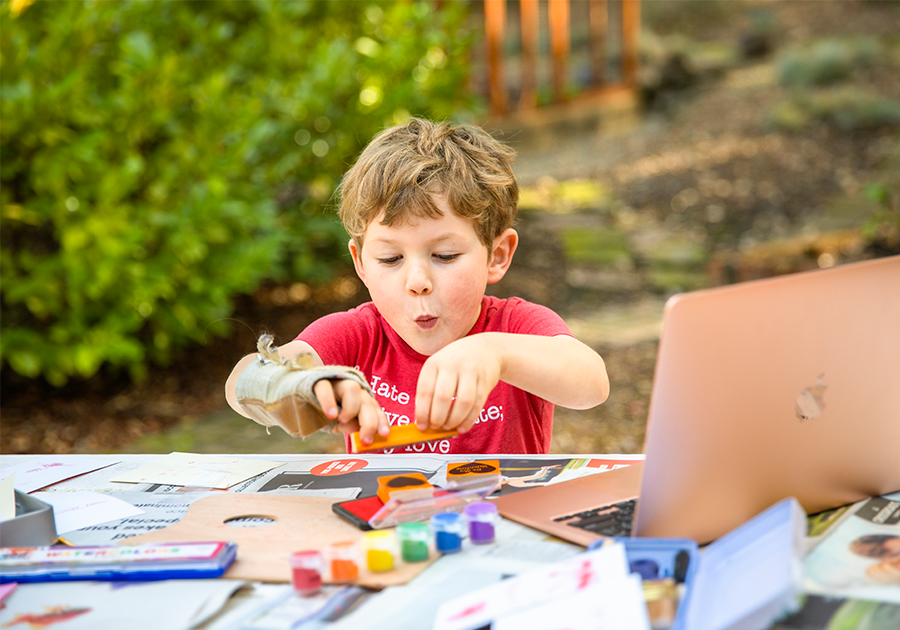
300,523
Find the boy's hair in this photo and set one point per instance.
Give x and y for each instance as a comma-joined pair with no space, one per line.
402,167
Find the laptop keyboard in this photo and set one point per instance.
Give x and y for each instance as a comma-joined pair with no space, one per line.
609,520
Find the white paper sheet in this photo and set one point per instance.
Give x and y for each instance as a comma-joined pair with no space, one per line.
46,471
158,511
8,497
74,510
617,605
605,566
201,471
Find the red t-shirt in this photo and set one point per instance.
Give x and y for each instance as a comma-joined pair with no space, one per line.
511,421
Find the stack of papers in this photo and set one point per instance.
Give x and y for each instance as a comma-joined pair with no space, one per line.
593,590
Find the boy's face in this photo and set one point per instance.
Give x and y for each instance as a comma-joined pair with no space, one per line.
428,278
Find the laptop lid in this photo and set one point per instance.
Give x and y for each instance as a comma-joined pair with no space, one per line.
783,387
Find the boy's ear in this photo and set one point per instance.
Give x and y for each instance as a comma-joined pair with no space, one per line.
502,254
356,253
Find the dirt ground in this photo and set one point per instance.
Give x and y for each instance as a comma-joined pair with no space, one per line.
701,160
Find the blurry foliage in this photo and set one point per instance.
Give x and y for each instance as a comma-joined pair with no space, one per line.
160,158
564,197
846,107
827,61
700,20
882,228
601,247
822,78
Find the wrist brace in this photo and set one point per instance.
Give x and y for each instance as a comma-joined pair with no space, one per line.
277,391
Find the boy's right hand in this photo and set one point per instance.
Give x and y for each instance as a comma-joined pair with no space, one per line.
353,407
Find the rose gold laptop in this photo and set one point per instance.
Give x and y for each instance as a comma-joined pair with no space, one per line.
783,387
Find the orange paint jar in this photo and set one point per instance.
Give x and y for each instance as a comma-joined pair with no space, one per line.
342,562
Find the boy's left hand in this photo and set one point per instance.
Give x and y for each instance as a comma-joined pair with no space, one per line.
454,384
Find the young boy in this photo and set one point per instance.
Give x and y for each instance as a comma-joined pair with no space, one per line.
430,208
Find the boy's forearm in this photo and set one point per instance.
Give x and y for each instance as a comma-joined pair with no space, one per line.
559,369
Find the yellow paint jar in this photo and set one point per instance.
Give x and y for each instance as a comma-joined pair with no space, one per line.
379,549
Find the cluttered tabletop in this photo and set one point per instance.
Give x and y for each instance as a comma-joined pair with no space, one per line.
231,542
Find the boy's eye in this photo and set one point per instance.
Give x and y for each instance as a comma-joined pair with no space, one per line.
389,261
446,257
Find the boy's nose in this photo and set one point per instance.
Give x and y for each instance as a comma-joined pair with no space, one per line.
418,282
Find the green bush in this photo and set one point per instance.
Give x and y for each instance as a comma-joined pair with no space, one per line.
882,229
847,107
160,158
827,61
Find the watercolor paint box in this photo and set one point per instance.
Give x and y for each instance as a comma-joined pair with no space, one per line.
164,561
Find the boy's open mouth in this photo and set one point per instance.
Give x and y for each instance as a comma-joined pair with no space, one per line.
426,322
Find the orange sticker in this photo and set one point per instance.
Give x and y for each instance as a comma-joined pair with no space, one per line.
338,467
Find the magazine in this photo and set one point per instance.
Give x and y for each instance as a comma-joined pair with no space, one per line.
860,557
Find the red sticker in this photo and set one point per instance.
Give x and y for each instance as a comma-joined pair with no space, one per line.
339,467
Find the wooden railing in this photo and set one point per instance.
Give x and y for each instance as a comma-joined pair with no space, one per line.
611,49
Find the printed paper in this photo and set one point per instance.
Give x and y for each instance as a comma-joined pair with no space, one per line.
74,510
44,472
860,557
175,604
606,566
200,471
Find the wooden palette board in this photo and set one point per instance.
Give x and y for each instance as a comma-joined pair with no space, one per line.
263,551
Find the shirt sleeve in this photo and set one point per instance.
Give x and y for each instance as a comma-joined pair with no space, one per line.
337,338
527,318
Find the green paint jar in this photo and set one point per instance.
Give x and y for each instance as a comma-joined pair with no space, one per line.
414,538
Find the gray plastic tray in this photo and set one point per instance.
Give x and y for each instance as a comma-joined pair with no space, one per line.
33,525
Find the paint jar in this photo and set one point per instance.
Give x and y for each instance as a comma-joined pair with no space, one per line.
379,550
414,539
342,561
306,571
449,529
482,518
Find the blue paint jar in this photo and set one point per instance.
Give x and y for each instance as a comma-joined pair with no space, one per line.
449,529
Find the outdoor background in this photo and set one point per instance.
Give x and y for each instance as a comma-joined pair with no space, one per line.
167,171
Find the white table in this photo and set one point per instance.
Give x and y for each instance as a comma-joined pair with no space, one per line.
411,606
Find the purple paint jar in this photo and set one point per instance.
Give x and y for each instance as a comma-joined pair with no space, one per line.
482,517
